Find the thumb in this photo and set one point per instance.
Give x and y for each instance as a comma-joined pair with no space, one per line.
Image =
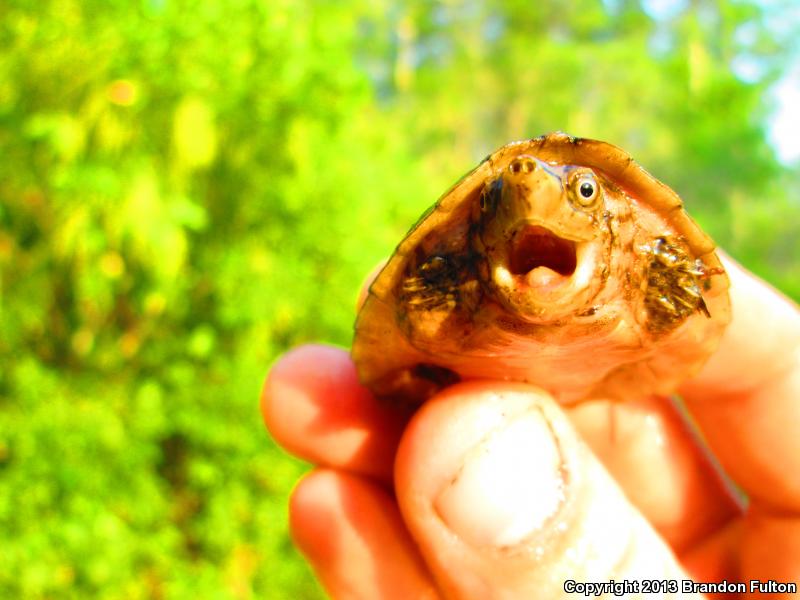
505,500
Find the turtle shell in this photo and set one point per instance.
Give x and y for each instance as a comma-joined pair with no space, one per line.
557,261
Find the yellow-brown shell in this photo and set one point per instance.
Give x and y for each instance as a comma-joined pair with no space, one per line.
573,358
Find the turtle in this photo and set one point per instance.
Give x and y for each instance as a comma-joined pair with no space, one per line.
558,261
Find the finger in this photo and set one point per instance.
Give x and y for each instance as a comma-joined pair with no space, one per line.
314,406
653,455
716,557
351,532
505,501
770,550
746,398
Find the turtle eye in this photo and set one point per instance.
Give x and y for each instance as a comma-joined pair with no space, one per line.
585,191
490,196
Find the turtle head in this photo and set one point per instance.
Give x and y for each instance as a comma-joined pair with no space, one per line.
541,230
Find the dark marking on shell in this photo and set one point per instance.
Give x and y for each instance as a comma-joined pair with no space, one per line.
440,376
407,387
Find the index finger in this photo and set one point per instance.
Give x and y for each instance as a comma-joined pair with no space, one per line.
746,399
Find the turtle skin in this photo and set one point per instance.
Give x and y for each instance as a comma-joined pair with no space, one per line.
557,261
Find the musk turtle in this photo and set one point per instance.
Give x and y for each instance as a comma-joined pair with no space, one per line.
557,261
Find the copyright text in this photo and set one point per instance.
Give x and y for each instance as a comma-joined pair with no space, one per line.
673,586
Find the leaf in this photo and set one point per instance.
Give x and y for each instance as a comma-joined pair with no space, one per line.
194,135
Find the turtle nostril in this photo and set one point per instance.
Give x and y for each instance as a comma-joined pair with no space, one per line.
524,165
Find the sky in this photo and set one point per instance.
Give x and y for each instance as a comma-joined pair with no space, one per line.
783,18
784,126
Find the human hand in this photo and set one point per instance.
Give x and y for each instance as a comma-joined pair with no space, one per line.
492,490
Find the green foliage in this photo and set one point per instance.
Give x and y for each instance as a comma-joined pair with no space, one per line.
188,189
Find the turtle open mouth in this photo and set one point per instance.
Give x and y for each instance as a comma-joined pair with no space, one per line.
535,246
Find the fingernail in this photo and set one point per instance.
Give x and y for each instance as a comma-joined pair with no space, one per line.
509,484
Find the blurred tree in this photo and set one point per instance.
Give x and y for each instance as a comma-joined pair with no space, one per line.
188,189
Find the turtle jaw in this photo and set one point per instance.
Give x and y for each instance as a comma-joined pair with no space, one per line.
542,276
